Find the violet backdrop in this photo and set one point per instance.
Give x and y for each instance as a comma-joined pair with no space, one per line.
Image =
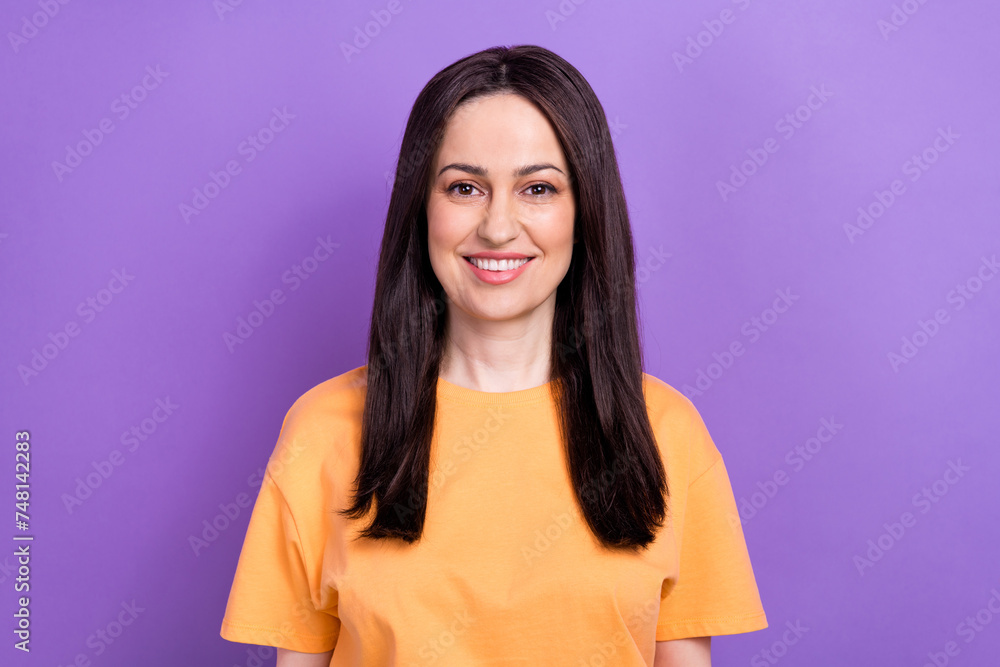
834,161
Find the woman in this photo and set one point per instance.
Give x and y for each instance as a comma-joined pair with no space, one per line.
492,487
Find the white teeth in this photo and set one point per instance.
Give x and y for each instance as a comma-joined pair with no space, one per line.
498,265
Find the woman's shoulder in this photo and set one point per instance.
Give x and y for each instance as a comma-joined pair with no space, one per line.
341,396
665,401
678,426
322,425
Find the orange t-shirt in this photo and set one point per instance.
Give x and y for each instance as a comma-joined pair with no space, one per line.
506,570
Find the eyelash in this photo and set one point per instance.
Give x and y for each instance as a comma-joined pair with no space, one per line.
551,189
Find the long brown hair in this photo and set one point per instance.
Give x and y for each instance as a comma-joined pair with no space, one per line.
596,368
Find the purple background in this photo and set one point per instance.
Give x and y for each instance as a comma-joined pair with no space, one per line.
678,131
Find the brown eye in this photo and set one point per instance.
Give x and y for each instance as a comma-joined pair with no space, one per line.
540,189
463,189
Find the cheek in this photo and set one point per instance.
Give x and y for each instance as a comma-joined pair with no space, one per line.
554,233
437,227
444,233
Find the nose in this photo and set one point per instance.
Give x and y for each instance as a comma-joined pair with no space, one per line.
500,221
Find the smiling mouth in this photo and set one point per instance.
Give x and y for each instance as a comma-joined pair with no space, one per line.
498,265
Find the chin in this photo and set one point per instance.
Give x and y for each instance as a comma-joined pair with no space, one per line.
492,313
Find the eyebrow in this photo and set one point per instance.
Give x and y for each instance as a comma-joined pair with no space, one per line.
481,171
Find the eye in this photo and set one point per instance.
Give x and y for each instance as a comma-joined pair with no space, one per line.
463,189
541,189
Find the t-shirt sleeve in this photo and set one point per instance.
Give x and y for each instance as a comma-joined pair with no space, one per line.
270,602
715,592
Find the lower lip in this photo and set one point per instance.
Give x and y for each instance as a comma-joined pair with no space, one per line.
497,277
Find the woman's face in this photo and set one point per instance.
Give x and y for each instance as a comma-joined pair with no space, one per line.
500,188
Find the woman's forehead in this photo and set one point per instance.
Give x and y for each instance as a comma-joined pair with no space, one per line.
500,132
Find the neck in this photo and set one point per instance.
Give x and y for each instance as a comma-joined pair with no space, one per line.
498,355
